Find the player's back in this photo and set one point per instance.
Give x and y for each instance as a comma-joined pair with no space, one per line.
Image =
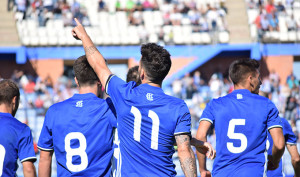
15,142
81,134
290,138
241,120
148,119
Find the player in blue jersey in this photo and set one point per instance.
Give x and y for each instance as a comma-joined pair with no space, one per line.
241,120
15,137
149,121
291,144
79,130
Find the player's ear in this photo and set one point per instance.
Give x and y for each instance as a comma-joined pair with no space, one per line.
76,81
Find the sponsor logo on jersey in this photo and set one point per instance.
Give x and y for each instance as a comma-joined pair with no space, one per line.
79,104
149,96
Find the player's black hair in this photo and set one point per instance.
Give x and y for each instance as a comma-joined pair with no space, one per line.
9,90
83,71
133,75
155,61
240,69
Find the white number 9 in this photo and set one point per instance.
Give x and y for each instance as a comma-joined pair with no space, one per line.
80,151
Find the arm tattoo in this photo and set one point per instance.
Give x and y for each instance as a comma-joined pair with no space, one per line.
186,157
90,50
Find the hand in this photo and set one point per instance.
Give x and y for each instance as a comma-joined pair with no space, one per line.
271,164
78,32
207,149
205,174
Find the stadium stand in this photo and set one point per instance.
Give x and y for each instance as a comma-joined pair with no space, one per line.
274,20
124,22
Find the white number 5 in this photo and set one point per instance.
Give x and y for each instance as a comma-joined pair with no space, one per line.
2,155
236,136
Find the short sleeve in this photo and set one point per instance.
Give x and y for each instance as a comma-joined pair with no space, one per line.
273,118
184,121
45,142
207,114
289,136
25,146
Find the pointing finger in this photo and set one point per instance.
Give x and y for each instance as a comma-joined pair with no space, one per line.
77,22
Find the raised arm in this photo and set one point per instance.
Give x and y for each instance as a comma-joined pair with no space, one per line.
201,135
45,163
186,155
292,148
278,146
28,169
94,57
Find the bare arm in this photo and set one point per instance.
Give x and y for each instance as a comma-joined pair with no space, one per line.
186,155
205,147
278,145
201,135
45,163
28,169
292,148
94,57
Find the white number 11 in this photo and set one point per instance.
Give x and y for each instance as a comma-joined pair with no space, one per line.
137,126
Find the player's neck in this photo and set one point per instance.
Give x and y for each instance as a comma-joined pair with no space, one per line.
151,83
238,87
5,108
88,89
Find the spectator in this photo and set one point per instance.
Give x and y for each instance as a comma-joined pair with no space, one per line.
274,23
101,6
291,23
280,7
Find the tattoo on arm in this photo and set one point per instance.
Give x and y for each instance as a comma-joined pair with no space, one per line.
186,155
90,50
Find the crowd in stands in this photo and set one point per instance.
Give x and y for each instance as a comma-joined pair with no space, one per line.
275,16
150,16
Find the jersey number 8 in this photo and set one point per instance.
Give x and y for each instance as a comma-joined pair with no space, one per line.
80,151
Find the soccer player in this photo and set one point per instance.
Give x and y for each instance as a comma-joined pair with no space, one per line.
133,75
79,130
16,139
241,120
291,144
149,121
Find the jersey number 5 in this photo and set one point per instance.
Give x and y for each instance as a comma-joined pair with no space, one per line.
236,136
2,155
137,126
80,151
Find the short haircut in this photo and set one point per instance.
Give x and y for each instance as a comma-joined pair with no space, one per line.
9,90
155,61
83,71
240,69
133,75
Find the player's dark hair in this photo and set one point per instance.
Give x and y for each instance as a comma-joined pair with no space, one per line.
83,71
240,69
9,90
133,75
155,61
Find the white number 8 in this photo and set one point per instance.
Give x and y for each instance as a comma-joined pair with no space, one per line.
2,155
80,151
237,136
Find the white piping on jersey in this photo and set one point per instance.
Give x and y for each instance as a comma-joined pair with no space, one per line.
45,149
206,120
275,126
28,158
107,82
266,160
119,165
178,133
291,143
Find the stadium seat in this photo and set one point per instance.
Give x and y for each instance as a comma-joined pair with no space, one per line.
196,38
283,36
153,38
292,35
223,37
205,38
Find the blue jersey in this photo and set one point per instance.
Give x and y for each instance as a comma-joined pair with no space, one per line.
241,121
147,120
80,131
290,138
15,142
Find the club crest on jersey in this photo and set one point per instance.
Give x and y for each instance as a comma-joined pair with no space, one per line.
79,104
149,96
239,96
